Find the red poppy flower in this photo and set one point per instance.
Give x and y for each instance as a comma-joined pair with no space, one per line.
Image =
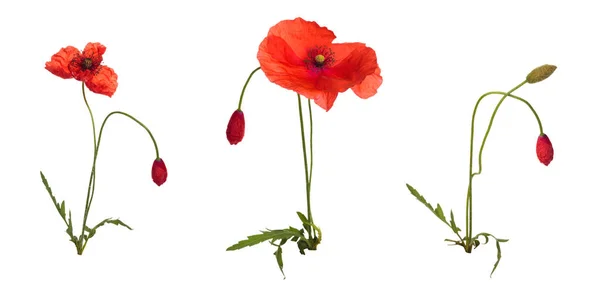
544,149
159,172
299,55
87,67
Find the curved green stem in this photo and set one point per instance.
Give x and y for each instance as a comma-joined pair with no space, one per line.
100,138
469,205
487,132
136,121
244,89
532,110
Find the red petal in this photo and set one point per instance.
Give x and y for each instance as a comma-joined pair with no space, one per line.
104,82
59,63
325,100
369,86
301,35
94,50
283,67
354,62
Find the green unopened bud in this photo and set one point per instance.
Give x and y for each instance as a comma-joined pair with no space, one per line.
540,73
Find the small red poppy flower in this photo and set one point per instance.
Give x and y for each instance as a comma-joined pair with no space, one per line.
544,150
85,66
159,172
236,127
299,55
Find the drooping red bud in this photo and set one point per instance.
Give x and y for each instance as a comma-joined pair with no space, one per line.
159,172
544,150
236,127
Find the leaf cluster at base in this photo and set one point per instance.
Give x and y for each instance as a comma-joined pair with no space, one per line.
284,235
439,212
79,242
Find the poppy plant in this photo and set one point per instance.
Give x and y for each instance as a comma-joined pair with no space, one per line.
544,151
300,56
86,66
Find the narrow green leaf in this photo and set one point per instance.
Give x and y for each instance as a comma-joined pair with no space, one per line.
485,235
70,226
265,236
455,229
62,209
438,211
499,255
58,207
91,232
296,231
283,241
498,241
295,238
303,218
279,259
117,222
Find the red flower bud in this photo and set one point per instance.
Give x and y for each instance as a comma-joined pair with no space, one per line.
159,172
236,127
544,150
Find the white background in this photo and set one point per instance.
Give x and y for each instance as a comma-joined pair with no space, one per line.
181,67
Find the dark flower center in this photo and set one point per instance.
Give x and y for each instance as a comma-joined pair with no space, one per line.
87,63
319,57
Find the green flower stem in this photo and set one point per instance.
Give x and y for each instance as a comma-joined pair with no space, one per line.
532,110
244,89
92,182
469,205
306,172
92,186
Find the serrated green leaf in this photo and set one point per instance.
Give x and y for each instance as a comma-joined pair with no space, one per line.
283,241
279,258
70,225
455,229
117,222
265,236
438,211
296,231
498,241
58,206
91,232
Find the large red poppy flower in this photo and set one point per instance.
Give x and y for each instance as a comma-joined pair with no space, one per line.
85,66
299,55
